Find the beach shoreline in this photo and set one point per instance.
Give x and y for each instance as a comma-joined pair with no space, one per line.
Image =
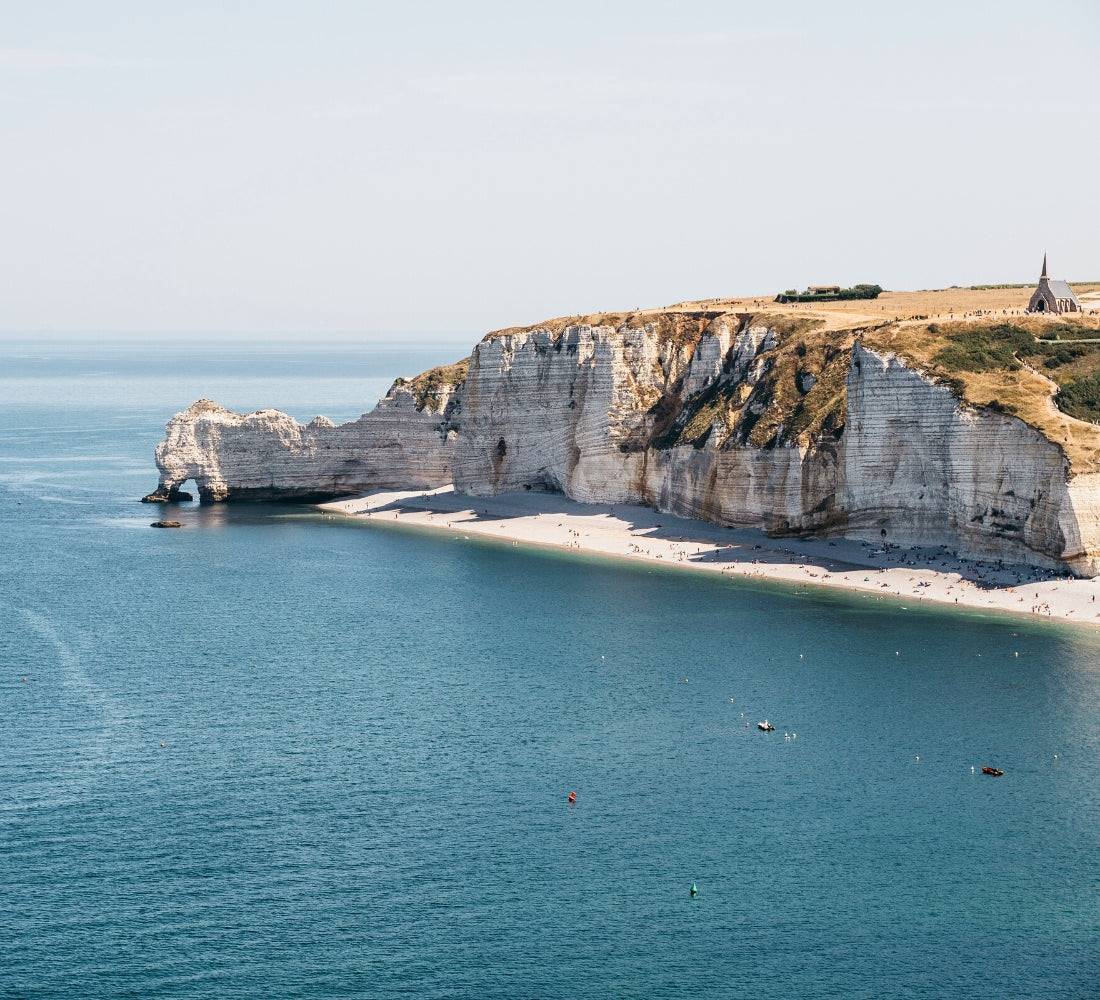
640,534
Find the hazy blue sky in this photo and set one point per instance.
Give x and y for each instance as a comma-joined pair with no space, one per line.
324,166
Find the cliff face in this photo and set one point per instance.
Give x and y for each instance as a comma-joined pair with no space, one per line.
403,442
929,471
735,419
637,415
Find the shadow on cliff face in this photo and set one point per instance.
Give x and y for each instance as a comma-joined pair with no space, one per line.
734,545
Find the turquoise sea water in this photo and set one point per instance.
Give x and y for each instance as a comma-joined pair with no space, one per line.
282,755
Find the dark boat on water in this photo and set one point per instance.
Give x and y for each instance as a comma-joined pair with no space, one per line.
993,772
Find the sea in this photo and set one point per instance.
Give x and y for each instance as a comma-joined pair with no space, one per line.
279,753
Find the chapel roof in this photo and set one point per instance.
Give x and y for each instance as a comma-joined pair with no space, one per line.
1060,290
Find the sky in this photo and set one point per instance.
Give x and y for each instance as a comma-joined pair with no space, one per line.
336,167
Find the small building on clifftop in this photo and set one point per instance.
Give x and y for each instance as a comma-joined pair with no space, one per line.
1052,296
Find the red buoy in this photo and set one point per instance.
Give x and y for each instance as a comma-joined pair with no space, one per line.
572,798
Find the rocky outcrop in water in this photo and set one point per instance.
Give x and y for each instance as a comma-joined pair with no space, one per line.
406,441
737,419
167,495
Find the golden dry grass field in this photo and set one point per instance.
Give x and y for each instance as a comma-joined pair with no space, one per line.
946,303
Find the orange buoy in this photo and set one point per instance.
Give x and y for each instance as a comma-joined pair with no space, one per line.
571,798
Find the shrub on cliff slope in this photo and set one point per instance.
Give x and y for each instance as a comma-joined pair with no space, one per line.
427,386
986,348
1081,398
798,396
1009,366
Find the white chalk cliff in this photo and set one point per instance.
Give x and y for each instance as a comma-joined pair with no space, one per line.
725,417
268,455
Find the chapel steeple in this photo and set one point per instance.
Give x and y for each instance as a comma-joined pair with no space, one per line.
1052,296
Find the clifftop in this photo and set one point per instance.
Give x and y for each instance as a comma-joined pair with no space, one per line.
680,326
977,341
432,389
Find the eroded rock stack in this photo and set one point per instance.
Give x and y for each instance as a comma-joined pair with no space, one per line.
403,443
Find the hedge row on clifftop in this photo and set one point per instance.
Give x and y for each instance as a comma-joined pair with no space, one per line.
855,292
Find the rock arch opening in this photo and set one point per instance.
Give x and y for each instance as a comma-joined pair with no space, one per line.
168,492
185,491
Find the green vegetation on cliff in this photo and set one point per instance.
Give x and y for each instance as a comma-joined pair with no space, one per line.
1008,347
428,386
1080,397
799,393
798,397
984,348
1043,370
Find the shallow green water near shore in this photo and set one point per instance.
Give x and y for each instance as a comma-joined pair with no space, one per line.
278,755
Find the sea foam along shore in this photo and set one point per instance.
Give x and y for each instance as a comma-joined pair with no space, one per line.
628,531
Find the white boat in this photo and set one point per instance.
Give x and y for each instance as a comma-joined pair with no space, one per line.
765,727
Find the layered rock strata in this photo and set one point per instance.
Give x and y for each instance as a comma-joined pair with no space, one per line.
736,419
403,443
922,469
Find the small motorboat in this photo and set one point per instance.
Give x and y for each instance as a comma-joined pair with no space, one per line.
993,772
765,727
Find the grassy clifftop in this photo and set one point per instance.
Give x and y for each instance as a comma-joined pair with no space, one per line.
429,387
680,326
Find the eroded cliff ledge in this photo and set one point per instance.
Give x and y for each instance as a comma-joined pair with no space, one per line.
774,420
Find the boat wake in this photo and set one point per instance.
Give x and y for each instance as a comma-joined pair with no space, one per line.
102,731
